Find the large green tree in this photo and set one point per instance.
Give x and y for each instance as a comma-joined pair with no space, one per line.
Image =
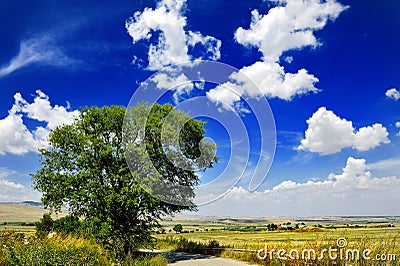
122,169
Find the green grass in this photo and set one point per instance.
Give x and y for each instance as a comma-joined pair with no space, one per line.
17,248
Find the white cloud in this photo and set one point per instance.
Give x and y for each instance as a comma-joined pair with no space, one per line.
13,191
327,134
398,126
211,45
16,138
179,83
5,172
393,94
289,59
288,26
40,50
173,41
270,80
353,192
387,166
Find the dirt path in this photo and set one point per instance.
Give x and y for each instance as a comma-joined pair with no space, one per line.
186,259
212,261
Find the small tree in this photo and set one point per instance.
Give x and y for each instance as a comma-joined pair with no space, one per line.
177,228
67,224
44,225
105,176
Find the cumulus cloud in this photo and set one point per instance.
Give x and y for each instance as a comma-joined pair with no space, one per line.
16,138
167,23
269,79
288,26
327,134
355,191
39,50
393,94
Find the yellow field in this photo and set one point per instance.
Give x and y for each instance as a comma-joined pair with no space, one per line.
244,245
20,213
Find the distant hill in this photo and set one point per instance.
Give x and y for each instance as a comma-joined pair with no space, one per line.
33,203
28,211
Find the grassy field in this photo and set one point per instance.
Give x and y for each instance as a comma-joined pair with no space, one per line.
242,238
20,213
238,238
244,245
21,217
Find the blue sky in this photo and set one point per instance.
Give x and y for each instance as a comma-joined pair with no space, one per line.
328,69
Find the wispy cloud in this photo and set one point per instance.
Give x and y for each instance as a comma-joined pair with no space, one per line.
14,191
39,50
387,166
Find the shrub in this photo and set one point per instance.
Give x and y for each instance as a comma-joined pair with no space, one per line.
45,225
178,228
19,249
182,244
67,224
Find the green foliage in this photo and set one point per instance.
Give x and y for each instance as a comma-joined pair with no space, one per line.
272,227
19,249
67,224
101,174
182,244
44,225
178,228
244,228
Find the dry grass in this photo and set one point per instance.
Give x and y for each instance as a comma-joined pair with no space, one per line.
21,213
379,241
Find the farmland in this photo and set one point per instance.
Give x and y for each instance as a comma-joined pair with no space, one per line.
242,238
229,237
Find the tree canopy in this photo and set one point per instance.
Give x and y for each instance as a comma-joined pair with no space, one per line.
122,169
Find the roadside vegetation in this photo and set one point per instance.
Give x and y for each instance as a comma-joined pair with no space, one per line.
63,242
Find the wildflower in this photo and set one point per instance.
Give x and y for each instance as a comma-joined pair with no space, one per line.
51,235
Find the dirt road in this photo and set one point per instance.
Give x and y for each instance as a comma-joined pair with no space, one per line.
186,259
209,262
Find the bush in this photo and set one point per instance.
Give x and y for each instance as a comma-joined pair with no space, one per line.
178,228
67,224
45,225
182,244
19,249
